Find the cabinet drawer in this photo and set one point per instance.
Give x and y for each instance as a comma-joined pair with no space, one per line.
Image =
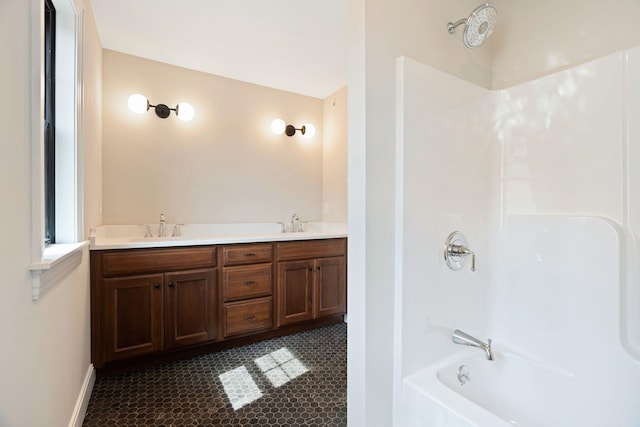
155,260
247,316
307,249
246,254
246,281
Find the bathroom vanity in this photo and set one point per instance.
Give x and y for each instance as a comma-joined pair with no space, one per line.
155,300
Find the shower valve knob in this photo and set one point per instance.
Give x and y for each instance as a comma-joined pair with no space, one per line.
456,250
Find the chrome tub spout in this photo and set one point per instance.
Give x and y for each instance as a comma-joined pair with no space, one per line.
462,338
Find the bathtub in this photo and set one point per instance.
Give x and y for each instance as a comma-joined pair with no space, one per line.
511,390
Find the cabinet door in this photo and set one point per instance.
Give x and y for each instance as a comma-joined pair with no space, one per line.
330,286
190,307
132,316
295,291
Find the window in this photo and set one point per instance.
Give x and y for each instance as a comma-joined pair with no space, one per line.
49,123
56,98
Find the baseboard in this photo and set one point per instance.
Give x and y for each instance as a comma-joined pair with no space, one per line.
83,399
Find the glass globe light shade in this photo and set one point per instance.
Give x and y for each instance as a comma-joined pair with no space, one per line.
278,126
185,111
138,103
309,130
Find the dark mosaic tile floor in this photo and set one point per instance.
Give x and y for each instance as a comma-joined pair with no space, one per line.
297,380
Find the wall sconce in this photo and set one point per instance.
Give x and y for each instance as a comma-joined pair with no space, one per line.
140,104
278,126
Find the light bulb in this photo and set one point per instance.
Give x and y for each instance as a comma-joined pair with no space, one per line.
278,126
138,103
309,130
185,111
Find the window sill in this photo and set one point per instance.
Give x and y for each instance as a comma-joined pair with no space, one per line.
56,263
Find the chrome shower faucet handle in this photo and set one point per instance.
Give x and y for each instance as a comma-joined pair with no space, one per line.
456,250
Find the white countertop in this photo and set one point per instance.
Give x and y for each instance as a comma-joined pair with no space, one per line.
132,236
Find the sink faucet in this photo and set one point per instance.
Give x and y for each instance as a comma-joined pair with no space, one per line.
161,231
294,218
462,338
176,230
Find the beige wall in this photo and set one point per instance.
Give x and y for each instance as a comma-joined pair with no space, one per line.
92,100
334,158
45,345
223,166
535,38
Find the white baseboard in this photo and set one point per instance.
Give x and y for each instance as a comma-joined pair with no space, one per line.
83,399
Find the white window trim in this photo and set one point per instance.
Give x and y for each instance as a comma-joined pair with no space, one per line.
53,263
56,263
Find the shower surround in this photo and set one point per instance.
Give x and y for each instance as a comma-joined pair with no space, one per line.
543,179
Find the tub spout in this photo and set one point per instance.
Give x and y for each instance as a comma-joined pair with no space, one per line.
462,338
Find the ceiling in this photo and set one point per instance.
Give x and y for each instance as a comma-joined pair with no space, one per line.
293,45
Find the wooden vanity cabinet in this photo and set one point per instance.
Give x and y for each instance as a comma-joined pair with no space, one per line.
247,288
295,291
138,308
330,286
148,313
160,304
311,288
190,307
133,316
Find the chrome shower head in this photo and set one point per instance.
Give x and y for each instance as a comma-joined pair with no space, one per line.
478,26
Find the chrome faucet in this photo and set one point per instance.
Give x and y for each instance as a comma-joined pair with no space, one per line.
461,251
462,338
161,230
294,218
147,229
176,230
455,251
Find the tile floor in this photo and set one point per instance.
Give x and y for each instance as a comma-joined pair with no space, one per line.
297,380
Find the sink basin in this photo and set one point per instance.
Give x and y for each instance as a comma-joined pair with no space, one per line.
132,236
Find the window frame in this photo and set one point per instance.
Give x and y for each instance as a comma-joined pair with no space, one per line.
51,264
49,123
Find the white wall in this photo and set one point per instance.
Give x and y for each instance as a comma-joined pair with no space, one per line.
46,344
542,175
223,166
563,142
571,148
334,157
535,38
445,150
380,32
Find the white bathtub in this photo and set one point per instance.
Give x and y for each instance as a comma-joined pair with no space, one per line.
510,390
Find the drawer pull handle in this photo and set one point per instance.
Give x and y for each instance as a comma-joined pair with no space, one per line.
171,284
310,268
250,317
156,285
250,254
250,282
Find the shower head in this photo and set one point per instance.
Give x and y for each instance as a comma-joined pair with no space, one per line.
478,26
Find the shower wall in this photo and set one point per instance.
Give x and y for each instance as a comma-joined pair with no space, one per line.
571,148
443,163
543,179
